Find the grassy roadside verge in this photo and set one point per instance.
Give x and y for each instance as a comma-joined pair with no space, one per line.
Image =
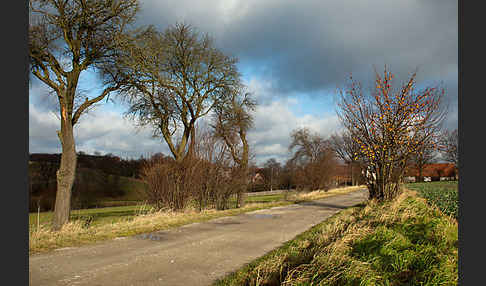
110,223
112,214
404,242
100,215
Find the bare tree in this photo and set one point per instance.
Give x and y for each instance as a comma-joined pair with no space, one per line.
272,170
217,181
449,146
308,146
313,158
179,76
65,39
387,125
346,149
423,155
287,180
231,121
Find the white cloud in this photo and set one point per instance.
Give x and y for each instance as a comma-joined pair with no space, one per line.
275,120
101,130
42,130
106,131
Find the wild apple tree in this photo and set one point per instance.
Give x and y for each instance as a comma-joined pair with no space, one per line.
387,124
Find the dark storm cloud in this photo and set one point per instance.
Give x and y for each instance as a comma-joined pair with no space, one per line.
311,45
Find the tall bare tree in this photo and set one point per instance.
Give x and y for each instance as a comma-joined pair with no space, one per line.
288,175
179,76
272,170
313,158
231,121
65,39
346,149
308,146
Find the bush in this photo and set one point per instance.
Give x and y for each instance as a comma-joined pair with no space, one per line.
173,184
170,183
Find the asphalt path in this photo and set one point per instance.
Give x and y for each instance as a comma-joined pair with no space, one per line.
194,254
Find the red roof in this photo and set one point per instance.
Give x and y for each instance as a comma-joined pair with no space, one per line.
434,170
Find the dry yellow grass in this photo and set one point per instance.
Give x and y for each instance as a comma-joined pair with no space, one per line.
320,194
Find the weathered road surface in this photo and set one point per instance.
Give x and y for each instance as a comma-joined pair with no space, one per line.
194,254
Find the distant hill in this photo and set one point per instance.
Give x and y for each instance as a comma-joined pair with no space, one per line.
99,179
109,164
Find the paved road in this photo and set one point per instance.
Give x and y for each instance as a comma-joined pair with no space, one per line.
194,254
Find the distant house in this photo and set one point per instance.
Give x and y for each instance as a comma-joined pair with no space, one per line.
342,175
432,172
257,179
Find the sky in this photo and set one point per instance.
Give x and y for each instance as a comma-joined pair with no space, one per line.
293,56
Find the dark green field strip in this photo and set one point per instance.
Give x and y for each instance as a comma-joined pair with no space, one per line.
443,195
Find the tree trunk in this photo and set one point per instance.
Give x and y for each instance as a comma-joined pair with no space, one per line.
244,169
240,196
65,174
384,187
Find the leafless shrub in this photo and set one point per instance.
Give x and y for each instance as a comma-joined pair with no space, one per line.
345,148
170,183
221,177
207,176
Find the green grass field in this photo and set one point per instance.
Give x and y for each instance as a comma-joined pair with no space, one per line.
133,189
99,215
404,242
107,215
443,195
